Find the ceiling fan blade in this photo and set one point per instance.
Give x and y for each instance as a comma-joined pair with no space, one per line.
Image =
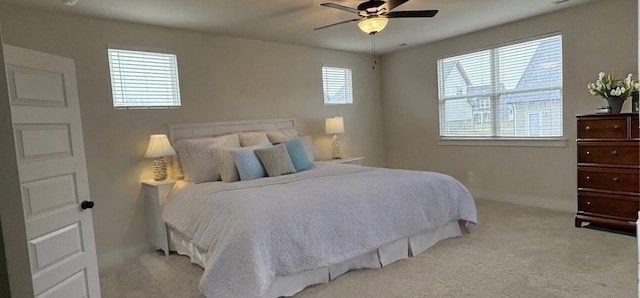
340,7
411,14
335,24
391,4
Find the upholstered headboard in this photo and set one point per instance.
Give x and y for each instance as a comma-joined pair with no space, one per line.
210,129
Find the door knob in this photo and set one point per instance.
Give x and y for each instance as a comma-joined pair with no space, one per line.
86,204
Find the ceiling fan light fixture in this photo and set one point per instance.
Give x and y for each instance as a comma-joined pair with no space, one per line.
373,24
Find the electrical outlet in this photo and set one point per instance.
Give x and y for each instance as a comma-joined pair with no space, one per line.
471,177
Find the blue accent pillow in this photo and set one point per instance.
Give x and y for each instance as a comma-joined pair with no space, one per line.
248,164
298,155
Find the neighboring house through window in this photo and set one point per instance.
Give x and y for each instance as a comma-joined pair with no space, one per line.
141,79
510,91
337,85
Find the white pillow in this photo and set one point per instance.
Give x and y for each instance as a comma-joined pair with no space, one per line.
307,142
195,157
253,138
282,135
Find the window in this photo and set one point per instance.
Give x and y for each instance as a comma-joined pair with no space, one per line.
509,91
336,85
143,79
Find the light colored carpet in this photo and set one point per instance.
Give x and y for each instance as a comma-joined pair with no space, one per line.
516,251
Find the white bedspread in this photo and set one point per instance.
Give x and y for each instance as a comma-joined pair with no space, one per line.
285,225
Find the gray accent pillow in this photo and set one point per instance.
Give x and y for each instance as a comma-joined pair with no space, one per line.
276,160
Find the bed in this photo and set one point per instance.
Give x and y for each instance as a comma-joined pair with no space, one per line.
274,236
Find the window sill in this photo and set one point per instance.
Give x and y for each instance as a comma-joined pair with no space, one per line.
514,142
147,108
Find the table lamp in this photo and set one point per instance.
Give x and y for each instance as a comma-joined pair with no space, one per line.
334,126
159,147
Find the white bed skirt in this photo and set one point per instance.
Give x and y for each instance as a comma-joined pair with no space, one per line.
290,285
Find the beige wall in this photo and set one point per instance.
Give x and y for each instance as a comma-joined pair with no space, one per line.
596,37
221,78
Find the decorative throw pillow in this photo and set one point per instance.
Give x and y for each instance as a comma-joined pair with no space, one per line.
195,160
248,164
298,155
291,132
253,138
230,140
276,160
307,142
225,162
282,135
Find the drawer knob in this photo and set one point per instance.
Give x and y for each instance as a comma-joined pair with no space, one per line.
616,126
587,128
614,152
588,202
589,178
615,179
588,152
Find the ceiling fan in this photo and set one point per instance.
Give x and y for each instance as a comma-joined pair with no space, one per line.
374,14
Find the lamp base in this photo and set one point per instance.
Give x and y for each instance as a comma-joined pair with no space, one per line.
159,169
336,148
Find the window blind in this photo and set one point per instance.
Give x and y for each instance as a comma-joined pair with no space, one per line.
337,85
143,79
508,91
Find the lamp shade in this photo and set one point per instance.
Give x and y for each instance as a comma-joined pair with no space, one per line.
159,146
373,25
334,125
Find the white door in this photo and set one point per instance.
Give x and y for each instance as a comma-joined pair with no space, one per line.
53,176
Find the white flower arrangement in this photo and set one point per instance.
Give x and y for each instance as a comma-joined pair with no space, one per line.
608,87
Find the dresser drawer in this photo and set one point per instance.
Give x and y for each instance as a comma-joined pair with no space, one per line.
625,207
590,128
619,153
609,179
635,128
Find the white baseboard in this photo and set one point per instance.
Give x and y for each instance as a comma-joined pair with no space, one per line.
560,204
122,256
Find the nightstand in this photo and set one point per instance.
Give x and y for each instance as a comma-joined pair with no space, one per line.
155,194
351,161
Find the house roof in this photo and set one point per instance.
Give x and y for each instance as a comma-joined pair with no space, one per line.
544,69
449,66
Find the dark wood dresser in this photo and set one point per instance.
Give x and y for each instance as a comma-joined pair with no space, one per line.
608,170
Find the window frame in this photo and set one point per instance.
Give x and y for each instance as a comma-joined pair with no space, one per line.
177,100
348,83
494,97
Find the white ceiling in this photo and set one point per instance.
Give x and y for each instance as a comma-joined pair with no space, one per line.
292,21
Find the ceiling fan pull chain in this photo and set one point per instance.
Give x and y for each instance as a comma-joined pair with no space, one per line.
373,50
